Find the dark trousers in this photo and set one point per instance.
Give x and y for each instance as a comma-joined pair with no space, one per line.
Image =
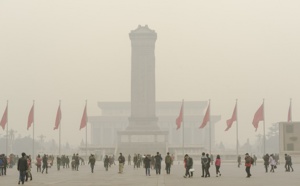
157,167
207,174
266,167
45,167
217,170
168,168
22,176
203,170
187,171
38,168
272,168
92,167
248,171
147,171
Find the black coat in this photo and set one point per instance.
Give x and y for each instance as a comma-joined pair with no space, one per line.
22,164
147,161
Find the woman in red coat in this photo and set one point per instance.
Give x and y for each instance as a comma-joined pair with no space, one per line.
218,165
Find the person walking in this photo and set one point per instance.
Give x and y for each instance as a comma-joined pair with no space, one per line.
45,163
147,161
38,163
121,160
266,161
129,159
92,161
22,168
168,162
28,172
188,166
239,160
272,162
248,161
203,163
218,165
106,162
158,160
58,162
207,166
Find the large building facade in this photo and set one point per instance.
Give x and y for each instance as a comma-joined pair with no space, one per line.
114,117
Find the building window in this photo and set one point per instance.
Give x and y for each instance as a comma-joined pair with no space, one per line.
289,128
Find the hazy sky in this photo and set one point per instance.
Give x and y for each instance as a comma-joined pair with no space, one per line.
75,50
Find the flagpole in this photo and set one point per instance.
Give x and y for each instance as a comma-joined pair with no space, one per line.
183,127
264,126
86,132
59,139
291,109
7,129
209,128
237,128
33,134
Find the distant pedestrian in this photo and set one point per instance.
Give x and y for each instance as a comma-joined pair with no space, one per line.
22,168
203,163
188,166
207,166
239,160
121,160
38,163
272,162
248,161
129,159
92,161
168,162
45,163
106,162
218,165
147,161
158,160
266,161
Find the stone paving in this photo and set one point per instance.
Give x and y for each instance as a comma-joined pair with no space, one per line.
231,175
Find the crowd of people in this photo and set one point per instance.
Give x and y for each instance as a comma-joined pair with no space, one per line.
147,161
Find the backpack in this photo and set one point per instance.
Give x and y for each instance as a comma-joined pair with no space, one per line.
168,159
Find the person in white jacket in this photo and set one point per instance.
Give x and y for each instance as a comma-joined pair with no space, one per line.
272,162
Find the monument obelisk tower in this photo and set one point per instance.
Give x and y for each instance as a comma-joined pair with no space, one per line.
142,133
143,115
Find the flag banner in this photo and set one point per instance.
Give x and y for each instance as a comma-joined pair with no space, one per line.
232,119
179,118
58,118
206,117
259,116
4,119
290,114
83,119
30,117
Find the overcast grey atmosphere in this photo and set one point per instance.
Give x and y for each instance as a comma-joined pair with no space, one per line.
72,50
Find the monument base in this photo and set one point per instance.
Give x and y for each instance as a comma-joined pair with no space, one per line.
142,142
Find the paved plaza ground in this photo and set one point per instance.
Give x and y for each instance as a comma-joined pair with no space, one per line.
231,176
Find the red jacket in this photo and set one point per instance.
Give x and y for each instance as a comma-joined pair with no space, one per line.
218,162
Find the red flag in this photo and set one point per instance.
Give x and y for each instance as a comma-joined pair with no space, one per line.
232,119
180,117
4,119
83,119
290,114
259,116
206,117
58,118
30,117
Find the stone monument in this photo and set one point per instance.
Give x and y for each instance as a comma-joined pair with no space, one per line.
142,134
